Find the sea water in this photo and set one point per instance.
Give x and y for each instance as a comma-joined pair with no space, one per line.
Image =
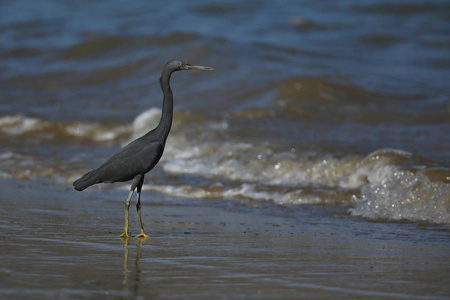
309,104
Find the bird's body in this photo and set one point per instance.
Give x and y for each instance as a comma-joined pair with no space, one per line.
140,156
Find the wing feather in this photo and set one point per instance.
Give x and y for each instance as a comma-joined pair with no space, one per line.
131,160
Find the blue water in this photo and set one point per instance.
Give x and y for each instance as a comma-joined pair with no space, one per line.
349,100
401,46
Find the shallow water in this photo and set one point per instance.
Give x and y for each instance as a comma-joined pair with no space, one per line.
56,247
336,112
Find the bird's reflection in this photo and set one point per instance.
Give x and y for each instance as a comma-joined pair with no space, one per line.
128,282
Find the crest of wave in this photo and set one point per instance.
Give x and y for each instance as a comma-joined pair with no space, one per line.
395,194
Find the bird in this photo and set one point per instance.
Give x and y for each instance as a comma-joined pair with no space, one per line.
140,156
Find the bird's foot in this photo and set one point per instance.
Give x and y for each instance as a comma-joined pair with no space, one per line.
142,235
125,235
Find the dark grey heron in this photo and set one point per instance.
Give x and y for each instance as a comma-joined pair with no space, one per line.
137,158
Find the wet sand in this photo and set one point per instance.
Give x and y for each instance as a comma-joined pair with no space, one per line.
60,244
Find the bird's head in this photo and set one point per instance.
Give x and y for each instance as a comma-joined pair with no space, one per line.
178,65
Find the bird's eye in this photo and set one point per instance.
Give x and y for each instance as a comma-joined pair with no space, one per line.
181,64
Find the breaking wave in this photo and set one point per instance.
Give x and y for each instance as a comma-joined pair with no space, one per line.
384,185
17,125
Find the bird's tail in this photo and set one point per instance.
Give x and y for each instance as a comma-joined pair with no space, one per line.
87,180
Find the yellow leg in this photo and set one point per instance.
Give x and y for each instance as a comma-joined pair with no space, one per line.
126,233
138,208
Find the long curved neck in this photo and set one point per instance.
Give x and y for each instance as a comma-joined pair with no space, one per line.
167,110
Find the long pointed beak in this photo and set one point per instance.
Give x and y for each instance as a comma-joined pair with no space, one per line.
203,68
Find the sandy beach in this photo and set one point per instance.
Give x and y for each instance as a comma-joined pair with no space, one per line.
59,244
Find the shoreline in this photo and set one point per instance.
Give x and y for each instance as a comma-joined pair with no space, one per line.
59,243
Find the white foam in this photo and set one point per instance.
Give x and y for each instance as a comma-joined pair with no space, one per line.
249,191
17,125
380,187
386,190
358,178
7,155
402,195
246,191
145,122
256,192
95,131
182,191
244,162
